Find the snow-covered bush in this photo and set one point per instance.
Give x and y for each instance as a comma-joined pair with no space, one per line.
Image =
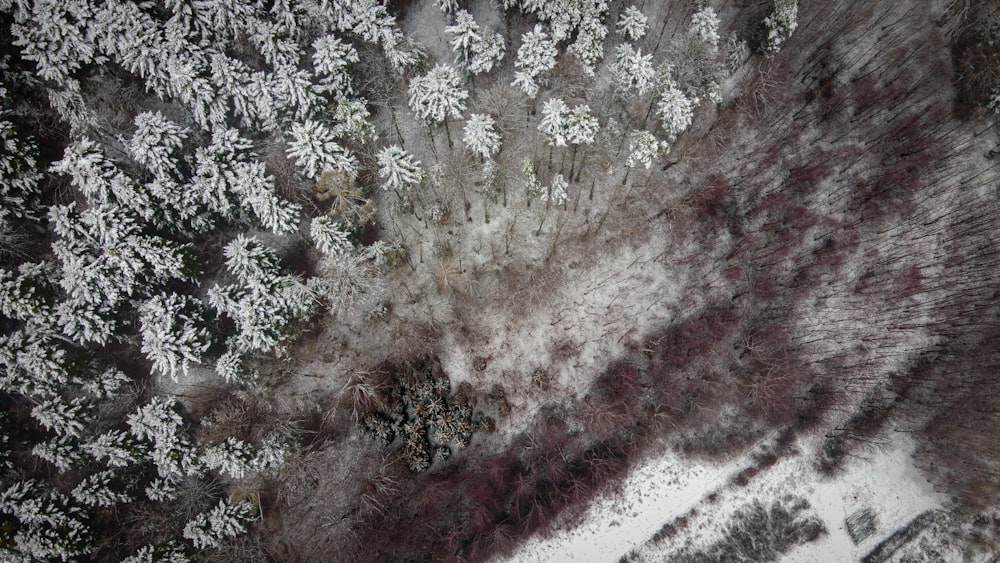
330,236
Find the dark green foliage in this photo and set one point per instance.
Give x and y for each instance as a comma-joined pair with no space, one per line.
429,421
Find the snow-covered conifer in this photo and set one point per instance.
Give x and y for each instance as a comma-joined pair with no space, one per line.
632,71
705,24
535,57
675,110
104,489
155,141
526,83
781,24
554,121
644,147
314,149
100,179
231,457
487,52
170,552
224,522
580,126
532,186
116,448
65,418
557,193
632,23
48,524
332,59
398,169
589,45
102,384
106,259
330,236
465,36
62,451
230,366
438,95
265,302
30,293
33,364
18,173
481,136
351,119
174,332
54,35
447,6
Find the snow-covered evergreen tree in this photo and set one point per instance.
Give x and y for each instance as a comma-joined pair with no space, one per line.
330,236
174,332
557,193
554,121
42,524
231,457
399,170
465,36
64,452
676,111
589,45
632,72
155,142
54,35
265,302
580,126
351,121
65,418
222,523
781,24
481,136
705,24
632,23
28,294
100,179
105,261
33,363
18,171
117,448
447,6
437,96
173,453
332,60
170,552
314,149
532,186
535,57
644,147
104,489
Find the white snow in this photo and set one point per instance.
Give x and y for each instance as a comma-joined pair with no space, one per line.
667,487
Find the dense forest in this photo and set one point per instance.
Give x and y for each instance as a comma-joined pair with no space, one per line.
357,280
